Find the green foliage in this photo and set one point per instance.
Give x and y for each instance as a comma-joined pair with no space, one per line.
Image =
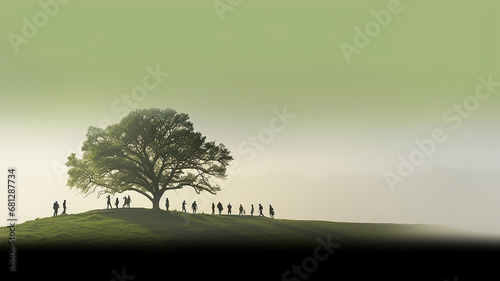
149,151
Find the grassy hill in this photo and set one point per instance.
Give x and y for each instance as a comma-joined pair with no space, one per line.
154,228
149,243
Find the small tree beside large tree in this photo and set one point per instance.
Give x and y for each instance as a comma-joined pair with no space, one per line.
149,151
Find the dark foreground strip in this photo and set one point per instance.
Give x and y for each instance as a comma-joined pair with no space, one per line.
404,261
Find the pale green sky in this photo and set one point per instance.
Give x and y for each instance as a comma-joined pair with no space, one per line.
229,75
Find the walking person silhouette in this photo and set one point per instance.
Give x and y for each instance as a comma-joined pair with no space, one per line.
109,203
229,207
167,204
184,206
129,201
117,202
242,211
213,208
124,202
251,211
260,210
64,207
56,207
271,211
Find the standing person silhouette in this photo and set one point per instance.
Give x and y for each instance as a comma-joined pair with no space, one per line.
260,210
64,207
129,201
184,206
109,203
219,206
251,211
167,204
213,208
242,211
194,206
117,202
56,207
271,211
124,202
229,207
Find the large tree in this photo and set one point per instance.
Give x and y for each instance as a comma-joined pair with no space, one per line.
149,151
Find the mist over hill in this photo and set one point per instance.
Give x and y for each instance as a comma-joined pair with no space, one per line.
459,198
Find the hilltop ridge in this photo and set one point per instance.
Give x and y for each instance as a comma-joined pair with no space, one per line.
147,243
146,227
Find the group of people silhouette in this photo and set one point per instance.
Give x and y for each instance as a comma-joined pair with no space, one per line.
126,202
194,208
56,208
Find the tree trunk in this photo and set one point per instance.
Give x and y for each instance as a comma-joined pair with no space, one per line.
156,202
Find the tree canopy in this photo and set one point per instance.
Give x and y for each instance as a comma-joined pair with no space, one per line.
149,151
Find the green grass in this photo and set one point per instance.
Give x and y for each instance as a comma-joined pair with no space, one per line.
155,228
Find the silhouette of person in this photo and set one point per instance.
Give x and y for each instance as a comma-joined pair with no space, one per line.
109,203
167,204
242,211
194,206
271,211
229,207
251,211
129,201
260,210
124,202
117,202
213,208
64,207
56,207
219,206
184,206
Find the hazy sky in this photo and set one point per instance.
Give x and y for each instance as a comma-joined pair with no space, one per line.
317,100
